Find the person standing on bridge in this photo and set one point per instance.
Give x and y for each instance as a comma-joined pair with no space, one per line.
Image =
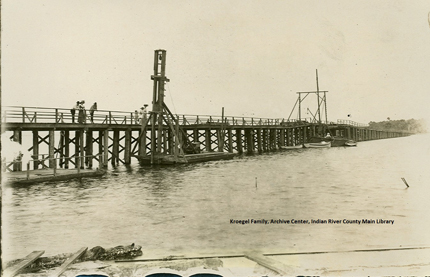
145,112
136,117
73,111
92,110
81,116
142,114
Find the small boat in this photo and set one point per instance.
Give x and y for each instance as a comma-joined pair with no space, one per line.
291,147
335,141
322,144
351,143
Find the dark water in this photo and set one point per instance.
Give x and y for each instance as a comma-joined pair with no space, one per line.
187,209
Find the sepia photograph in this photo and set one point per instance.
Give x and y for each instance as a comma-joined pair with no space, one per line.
202,138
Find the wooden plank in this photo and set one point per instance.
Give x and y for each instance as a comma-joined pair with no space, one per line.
68,262
29,259
269,263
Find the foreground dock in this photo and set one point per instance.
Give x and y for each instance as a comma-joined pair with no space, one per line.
371,261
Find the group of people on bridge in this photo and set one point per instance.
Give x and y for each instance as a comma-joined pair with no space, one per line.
141,115
79,108
82,113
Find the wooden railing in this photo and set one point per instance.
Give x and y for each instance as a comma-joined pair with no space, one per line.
16,114
351,123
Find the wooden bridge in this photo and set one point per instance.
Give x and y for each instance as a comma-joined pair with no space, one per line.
117,136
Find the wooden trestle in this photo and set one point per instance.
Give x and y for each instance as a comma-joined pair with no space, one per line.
60,144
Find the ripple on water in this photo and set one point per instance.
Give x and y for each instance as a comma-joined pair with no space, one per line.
188,208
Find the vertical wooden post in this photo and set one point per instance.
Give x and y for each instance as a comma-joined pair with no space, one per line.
249,141
176,140
28,171
264,140
196,135
304,138
282,137
295,142
77,135
115,148
259,146
239,141
230,140
220,137
61,145
23,115
170,142
89,148
105,148
165,145
300,108
66,148
142,142
153,135
51,140
35,149
274,139
221,134
17,137
100,152
81,149
127,147
208,140
269,140
86,153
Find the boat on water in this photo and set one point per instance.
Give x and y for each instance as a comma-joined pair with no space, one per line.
322,144
291,147
334,140
350,143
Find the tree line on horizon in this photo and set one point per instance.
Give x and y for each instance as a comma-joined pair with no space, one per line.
410,125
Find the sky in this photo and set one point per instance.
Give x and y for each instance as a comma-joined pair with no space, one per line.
250,57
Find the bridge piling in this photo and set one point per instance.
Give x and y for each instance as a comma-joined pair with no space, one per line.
51,140
127,147
239,141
